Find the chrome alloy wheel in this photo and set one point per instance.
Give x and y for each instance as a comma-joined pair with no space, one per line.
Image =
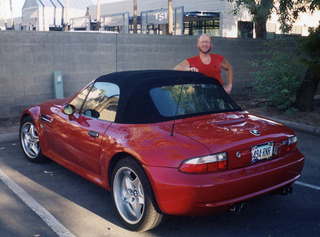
129,195
30,140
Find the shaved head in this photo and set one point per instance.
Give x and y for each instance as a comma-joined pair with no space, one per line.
204,44
204,37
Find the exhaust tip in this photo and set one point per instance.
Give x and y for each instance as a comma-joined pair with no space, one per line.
238,207
286,190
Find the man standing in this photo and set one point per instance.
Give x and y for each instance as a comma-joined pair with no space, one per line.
208,64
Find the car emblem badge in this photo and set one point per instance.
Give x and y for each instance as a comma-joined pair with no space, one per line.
238,154
255,132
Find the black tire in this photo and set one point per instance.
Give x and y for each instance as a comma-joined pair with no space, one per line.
33,154
150,217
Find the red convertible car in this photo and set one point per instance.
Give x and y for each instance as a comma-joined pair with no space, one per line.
164,143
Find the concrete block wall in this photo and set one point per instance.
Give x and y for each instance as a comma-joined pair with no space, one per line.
152,51
28,60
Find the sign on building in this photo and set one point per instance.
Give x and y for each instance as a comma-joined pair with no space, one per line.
160,17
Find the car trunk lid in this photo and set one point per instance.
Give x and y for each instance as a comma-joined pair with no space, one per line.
237,133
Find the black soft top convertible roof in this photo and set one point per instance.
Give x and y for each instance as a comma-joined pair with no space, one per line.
129,80
135,104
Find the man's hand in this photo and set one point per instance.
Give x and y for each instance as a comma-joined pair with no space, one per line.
185,66
193,69
228,88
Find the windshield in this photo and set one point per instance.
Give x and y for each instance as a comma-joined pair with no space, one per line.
187,99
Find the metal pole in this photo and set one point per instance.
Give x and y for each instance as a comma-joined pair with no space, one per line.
66,12
170,17
43,18
2,17
98,13
11,13
62,13
135,16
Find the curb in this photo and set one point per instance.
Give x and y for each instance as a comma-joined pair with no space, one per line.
299,126
14,136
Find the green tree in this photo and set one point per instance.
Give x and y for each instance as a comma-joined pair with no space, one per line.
261,10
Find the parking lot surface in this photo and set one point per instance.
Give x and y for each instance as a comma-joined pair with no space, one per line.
71,206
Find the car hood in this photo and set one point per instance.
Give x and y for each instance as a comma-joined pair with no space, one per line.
233,132
55,102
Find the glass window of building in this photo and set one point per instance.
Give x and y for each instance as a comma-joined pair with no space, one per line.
197,23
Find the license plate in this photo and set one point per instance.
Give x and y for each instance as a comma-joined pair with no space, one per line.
262,152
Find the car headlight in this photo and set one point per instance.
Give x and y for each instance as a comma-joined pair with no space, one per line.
205,164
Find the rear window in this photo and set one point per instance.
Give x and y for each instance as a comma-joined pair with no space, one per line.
187,99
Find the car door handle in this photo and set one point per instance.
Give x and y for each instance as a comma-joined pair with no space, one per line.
93,134
46,118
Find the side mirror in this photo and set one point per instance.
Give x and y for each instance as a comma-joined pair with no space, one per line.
92,113
69,109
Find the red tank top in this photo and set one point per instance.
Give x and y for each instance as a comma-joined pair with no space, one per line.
213,69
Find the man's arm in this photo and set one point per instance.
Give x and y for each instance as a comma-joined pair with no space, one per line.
227,66
185,66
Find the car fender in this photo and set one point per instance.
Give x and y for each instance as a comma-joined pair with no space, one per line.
33,112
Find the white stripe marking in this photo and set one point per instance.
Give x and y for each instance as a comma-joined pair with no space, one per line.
308,185
46,216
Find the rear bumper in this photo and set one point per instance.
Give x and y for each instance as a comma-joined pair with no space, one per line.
178,193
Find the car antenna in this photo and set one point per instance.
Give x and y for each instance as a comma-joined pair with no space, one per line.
174,121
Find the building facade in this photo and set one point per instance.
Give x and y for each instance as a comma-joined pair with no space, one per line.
202,16
213,17
45,15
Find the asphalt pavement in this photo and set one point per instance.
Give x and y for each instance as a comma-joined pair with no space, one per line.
85,209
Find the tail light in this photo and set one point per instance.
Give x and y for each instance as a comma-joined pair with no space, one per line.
292,140
205,164
287,145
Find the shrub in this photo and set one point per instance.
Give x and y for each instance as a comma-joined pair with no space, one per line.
278,78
